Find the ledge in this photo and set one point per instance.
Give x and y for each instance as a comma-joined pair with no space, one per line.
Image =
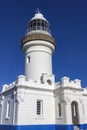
32,37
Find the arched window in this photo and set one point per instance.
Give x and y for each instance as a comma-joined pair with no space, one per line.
8,110
28,59
49,82
74,109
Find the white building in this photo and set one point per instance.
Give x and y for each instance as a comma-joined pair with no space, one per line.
34,101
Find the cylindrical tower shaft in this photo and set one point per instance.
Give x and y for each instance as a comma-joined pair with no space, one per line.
38,46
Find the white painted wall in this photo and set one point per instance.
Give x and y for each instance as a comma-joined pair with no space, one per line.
27,107
23,103
8,96
66,92
40,53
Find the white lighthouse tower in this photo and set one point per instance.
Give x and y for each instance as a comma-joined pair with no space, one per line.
38,46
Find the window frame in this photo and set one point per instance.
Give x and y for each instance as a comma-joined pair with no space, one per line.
59,109
8,110
39,108
28,59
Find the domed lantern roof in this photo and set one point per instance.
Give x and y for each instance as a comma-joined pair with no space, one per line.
39,15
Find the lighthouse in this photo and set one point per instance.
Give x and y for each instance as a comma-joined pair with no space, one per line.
38,46
35,101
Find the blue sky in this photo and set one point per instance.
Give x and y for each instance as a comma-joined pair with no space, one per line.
68,24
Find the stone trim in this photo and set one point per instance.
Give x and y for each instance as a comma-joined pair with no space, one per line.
69,88
32,37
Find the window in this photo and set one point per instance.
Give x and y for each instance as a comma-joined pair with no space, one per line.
39,107
8,110
39,25
59,109
83,110
75,115
49,82
74,110
28,59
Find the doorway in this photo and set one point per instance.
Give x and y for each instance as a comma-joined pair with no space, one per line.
75,116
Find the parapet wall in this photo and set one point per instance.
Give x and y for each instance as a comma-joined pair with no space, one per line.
66,82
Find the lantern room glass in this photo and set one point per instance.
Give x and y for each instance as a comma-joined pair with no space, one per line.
38,25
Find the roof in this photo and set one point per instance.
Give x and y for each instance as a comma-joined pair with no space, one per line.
38,15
